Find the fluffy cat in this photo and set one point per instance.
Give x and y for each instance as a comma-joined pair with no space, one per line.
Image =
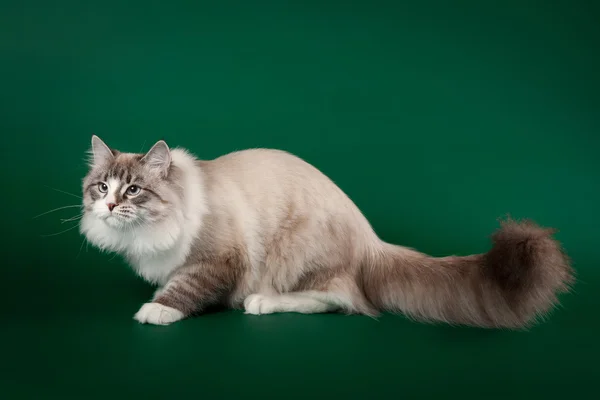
266,231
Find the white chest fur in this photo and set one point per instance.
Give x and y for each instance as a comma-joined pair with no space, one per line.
154,258
154,252
156,268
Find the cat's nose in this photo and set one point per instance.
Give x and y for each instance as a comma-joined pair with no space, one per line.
111,206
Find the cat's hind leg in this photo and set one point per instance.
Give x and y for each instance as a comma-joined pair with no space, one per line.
300,302
340,295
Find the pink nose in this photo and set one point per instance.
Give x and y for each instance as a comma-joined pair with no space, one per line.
111,206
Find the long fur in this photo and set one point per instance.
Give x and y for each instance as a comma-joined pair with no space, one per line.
511,286
265,231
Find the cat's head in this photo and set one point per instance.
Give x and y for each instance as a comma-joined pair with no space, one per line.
125,191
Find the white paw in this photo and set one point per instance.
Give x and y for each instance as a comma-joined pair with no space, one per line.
157,314
258,304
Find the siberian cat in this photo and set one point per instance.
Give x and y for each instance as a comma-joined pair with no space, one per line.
266,231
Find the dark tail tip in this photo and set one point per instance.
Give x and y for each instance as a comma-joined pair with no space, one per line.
528,265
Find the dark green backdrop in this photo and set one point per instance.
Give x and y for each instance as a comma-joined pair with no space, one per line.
436,117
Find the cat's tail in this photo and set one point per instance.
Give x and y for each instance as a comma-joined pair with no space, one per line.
511,286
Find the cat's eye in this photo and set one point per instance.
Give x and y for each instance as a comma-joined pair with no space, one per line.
133,190
103,187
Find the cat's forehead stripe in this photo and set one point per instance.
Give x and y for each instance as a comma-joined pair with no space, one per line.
118,171
123,167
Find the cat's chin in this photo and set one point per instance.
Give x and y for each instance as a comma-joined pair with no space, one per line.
119,223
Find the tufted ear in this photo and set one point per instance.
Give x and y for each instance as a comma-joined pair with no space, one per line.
100,152
159,157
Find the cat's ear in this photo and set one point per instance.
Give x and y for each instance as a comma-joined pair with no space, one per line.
158,157
100,153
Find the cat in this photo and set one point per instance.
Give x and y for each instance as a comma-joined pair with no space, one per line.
265,231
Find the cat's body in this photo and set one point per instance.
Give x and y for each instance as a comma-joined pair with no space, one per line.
266,231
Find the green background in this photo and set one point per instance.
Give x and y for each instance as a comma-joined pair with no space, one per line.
436,117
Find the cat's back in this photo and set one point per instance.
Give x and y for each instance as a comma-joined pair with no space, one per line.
271,178
261,165
259,157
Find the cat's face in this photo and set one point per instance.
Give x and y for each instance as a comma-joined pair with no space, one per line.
126,190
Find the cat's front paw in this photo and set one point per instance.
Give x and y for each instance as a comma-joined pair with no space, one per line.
157,314
258,304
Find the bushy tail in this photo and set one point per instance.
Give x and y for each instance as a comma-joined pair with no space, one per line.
511,286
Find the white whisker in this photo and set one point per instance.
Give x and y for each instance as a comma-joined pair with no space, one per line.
58,233
75,218
57,209
80,247
65,192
